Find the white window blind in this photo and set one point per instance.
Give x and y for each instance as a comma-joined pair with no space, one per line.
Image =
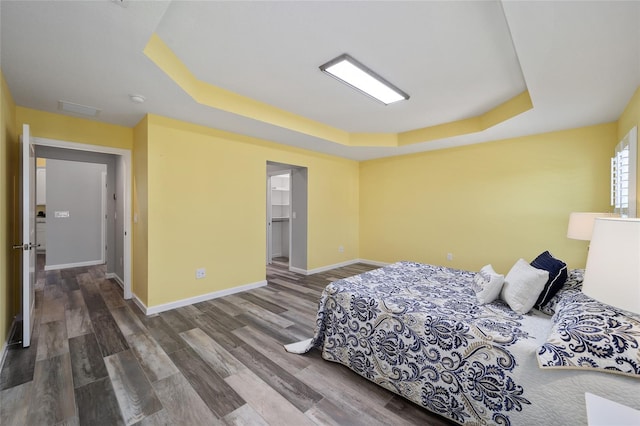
623,175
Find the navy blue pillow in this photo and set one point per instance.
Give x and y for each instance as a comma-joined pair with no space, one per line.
557,276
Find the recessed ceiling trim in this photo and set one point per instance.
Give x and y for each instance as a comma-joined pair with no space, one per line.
74,108
215,97
353,73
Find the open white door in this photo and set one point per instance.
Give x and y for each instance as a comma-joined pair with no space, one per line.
28,245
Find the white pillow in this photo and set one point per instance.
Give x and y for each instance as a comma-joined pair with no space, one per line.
522,286
487,284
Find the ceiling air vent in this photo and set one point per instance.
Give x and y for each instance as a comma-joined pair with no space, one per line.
85,110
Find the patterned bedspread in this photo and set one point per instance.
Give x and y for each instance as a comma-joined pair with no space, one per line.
418,331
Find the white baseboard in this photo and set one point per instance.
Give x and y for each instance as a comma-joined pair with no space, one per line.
5,347
191,300
373,262
115,277
73,265
139,304
336,265
298,270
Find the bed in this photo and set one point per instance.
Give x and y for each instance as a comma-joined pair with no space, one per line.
419,331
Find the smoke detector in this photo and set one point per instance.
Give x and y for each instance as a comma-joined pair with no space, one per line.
137,99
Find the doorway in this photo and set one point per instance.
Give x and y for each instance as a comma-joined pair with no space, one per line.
278,216
286,221
74,222
116,204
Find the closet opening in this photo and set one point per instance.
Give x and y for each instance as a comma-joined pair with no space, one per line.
286,222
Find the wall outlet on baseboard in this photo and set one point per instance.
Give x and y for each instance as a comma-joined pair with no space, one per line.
449,256
201,273
341,249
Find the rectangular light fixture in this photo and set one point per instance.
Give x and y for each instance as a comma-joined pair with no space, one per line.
78,109
354,74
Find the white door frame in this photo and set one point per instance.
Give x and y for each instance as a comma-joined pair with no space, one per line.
29,243
271,174
126,156
269,227
103,217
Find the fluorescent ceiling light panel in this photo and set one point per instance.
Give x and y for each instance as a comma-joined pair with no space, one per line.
78,109
353,73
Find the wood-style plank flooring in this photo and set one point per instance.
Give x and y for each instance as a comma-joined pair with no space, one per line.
96,359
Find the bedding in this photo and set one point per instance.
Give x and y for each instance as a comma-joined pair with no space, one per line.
419,331
587,333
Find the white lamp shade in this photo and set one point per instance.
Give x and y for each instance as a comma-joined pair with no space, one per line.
612,274
581,224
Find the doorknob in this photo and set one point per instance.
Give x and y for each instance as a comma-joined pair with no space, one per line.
29,246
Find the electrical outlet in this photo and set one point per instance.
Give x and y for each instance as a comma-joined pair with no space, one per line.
201,273
341,249
449,256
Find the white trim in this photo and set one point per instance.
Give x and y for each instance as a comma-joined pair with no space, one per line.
336,265
73,265
633,151
5,345
196,299
103,216
374,262
5,349
128,198
298,270
139,304
115,277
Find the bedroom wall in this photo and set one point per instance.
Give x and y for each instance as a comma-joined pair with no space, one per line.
74,129
487,203
630,118
9,296
140,274
207,208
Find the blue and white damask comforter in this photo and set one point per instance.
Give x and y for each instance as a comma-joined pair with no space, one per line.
418,331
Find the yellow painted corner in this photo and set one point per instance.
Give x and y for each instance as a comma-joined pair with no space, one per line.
509,109
503,112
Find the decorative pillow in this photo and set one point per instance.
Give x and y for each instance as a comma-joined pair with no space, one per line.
573,284
487,284
557,270
591,334
522,286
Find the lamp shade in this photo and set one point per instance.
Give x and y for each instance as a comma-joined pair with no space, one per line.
581,224
612,274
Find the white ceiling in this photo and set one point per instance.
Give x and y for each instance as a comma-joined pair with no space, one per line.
580,62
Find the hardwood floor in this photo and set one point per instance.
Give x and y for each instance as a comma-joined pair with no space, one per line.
95,359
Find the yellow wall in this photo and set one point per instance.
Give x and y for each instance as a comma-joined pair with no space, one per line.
9,297
73,129
199,197
630,118
487,203
140,220
207,208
